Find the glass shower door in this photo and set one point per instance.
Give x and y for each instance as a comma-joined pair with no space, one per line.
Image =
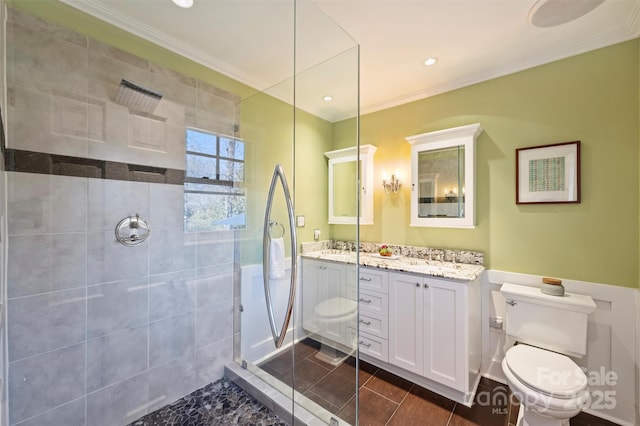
287,128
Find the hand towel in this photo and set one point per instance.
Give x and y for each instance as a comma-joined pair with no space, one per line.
276,258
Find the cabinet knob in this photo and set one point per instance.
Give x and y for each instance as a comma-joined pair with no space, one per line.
512,302
417,284
426,285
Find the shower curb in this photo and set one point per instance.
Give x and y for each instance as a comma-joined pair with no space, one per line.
269,397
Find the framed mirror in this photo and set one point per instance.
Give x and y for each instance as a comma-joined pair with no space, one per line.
350,172
443,177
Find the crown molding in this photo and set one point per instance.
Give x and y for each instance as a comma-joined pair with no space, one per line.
563,52
96,9
633,22
146,32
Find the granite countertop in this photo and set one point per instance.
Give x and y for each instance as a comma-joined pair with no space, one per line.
434,268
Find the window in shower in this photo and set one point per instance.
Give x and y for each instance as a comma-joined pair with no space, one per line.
214,195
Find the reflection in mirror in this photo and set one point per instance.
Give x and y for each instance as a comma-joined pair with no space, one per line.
443,177
344,195
350,182
441,194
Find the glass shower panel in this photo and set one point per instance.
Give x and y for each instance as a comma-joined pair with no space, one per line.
290,124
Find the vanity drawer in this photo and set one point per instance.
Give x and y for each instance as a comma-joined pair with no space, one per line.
374,324
371,301
375,280
374,347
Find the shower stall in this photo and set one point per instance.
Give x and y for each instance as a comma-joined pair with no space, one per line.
103,328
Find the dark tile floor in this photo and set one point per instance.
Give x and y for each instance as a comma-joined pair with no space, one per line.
385,399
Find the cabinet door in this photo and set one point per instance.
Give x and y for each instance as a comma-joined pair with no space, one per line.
445,340
406,322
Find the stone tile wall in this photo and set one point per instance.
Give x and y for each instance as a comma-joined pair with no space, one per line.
61,91
100,333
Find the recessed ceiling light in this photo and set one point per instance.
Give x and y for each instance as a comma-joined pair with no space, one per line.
184,3
328,98
430,61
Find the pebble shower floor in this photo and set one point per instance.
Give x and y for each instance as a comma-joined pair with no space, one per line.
218,403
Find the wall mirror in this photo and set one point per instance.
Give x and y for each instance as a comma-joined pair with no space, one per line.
443,177
350,173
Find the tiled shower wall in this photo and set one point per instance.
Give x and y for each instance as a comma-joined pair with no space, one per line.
100,333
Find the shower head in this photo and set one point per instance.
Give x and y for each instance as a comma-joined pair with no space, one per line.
137,97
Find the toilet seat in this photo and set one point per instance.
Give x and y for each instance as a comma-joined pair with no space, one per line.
546,372
337,307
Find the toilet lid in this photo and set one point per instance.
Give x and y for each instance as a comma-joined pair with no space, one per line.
336,307
546,372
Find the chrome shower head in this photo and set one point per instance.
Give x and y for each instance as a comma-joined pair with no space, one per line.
137,97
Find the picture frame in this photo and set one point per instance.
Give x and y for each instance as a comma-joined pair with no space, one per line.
548,174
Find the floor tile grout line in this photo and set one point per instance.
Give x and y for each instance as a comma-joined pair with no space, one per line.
400,404
388,399
347,403
455,404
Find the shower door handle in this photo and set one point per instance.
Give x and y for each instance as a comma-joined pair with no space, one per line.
278,336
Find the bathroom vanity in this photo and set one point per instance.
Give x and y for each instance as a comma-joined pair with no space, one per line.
418,319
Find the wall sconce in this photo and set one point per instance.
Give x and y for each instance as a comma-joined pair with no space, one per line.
450,195
391,185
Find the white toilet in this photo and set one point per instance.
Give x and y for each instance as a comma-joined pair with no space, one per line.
333,315
545,329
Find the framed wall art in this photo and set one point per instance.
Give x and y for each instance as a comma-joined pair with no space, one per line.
548,174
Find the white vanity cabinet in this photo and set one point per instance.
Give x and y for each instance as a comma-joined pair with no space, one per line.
434,329
407,323
373,313
419,327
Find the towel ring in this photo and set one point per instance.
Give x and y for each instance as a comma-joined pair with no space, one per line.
273,223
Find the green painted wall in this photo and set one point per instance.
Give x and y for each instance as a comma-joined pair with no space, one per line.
268,130
594,98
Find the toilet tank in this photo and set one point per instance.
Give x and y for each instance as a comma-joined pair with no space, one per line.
556,323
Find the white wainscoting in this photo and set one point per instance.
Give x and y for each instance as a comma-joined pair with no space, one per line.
612,335
256,338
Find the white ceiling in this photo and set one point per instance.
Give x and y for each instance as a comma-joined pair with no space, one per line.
475,40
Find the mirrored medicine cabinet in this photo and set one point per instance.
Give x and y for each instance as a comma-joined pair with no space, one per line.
443,177
350,173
